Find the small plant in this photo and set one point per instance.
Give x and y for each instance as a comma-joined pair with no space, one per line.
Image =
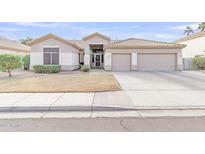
9,62
199,63
26,62
46,68
85,68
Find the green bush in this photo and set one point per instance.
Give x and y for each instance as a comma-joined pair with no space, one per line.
1,69
85,68
199,63
46,68
26,62
9,62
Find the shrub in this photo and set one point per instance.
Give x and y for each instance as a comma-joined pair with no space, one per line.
85,68
9,62
46,68
1,69
26,62
199,63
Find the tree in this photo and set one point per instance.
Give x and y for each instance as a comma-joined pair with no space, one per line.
201,26
188,30
9,62
26,40
26,62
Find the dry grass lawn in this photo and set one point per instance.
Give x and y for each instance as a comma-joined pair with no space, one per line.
60,83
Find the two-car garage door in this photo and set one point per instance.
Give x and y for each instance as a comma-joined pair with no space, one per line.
156,62
145,62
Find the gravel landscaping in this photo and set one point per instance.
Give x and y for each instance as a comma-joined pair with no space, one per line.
63,82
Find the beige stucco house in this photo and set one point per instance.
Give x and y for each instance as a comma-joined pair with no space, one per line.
11,47
100,51
195,47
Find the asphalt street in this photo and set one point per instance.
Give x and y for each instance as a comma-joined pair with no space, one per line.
132,124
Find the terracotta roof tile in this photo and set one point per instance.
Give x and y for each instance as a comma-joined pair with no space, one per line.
141,43
96,34
12,45
190,37
48,36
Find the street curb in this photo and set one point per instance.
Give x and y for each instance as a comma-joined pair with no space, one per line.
95,108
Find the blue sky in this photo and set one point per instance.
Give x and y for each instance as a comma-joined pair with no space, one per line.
161,31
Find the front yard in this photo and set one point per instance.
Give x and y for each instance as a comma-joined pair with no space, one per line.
79,82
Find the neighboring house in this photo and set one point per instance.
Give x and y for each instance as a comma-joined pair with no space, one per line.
195,47
11,47
99,51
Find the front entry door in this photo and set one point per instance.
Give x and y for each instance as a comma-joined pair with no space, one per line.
98,60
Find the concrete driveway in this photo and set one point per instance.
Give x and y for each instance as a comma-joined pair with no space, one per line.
144,81
164,89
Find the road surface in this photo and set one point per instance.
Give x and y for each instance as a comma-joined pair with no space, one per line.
133,124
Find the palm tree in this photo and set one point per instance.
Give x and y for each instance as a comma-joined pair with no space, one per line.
188,30
201,26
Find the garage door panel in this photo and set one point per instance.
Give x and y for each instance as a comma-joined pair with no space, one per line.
157,62
121,62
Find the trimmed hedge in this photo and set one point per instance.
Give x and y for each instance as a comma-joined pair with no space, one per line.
46,68
199,63
26,62
85,68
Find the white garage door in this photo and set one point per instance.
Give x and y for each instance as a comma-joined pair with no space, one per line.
121,62
156,62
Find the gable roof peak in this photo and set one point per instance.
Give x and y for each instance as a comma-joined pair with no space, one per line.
49,36
97,34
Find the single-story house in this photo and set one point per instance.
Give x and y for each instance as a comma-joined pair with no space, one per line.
195,47
12,47
99,51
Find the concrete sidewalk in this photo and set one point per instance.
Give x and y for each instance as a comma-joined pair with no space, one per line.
45,101
103,101
102,114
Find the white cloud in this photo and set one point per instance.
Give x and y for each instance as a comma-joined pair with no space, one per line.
38,24
155,36
114,31
10,32
165,36
9,36
194,26
13,29
105,30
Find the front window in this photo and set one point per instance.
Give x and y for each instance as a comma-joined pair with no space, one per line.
51,56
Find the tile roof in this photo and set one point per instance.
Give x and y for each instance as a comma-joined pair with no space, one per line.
83,44
141,43
80,43
96,34
48,36
13,45
190,37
